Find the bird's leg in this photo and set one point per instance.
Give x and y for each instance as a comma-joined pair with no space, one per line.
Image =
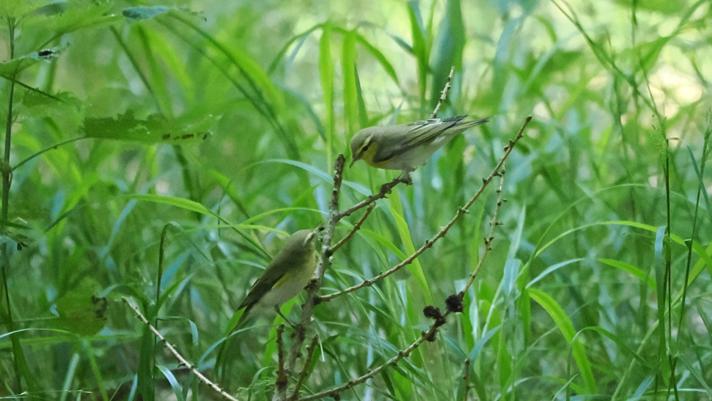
406,178
279,312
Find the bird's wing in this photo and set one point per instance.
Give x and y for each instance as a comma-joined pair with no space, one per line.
281,264
265,283
418,133
426,131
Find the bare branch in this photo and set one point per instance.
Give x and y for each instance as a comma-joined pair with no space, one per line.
322,265
327,250
172,349
305,369
385,190
444,92
426,335
356,227
440,234
489,238
281,381
453,302
466,379
388,187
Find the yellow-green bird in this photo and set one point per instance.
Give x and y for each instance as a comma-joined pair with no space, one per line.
407,146
287,274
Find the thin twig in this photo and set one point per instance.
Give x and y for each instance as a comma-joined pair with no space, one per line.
305,369
440,234
333,392
444,92
489,238
453,302
6,172
466,379
388,187
382,193
334,217
172,349
428,335
47,149
322,265
356,227
5,168
281,382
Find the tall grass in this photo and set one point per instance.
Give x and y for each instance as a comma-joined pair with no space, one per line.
162,153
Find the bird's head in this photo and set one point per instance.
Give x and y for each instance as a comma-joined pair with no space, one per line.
303,239
363,146
309,237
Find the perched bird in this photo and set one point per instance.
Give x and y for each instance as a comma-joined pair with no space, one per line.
407,146
287,274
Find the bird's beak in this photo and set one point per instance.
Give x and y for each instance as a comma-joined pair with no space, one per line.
309,237
354,160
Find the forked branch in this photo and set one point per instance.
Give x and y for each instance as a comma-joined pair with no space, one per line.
496,171
172,349
323,264
401,179
454,303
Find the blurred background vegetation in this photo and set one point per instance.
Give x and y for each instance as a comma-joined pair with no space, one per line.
217,123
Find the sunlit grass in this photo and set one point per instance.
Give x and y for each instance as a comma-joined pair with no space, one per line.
598,283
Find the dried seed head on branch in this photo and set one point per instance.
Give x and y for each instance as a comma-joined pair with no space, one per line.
453,302
329,228
496,172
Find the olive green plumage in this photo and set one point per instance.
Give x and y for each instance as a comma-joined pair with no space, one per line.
287,274
407,146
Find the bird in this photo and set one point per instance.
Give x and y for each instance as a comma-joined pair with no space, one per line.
287,274
407,146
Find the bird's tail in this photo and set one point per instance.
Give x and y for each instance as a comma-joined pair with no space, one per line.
467,122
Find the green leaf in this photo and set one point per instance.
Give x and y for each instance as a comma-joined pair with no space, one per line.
153,129
348,62
180,203
661,6
61,18
17,8
566,327
630,269
196,207
81,310
448,50
420,48
143,13
416,268
379,56
175,384
146,363
326,73
650,52
9,68
64,110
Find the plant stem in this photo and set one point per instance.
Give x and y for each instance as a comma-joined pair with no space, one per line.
174,351
6,174
322,266
8,133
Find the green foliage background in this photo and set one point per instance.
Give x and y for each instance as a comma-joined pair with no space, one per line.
212,126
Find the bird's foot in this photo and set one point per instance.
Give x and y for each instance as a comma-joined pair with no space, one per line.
406,178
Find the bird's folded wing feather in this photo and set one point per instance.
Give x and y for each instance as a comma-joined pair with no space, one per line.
419,133
265,283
